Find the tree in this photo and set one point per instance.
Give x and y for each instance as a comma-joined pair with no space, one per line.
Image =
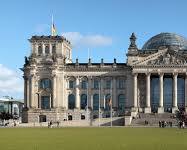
181,115
5,116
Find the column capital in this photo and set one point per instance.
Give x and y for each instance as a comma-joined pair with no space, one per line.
160,73
148,73
175,73
135,74
54,75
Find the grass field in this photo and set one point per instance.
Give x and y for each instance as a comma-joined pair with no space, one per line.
93,139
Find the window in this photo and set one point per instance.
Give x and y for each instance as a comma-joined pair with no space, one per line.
46,49
121,102
71,101
83,117
96,102
45,102
71,84
181,92
39,49
53,49
45,83
121,83
83,101
42,118
96,84
84,85
108,84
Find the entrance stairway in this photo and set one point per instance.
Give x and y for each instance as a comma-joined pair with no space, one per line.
116,121
153,119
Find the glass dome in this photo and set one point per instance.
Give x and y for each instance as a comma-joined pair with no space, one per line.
166,39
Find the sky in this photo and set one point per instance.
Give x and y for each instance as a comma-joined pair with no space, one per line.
102,27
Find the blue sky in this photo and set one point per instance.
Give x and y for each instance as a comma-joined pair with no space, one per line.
103,27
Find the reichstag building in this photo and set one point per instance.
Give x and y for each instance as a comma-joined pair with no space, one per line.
153,79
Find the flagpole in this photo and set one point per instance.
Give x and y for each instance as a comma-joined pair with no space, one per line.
104,102
99,101
52,25
87,101
111,106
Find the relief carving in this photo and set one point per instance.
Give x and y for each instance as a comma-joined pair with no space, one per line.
168,59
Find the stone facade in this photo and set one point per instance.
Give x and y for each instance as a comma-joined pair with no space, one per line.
55,87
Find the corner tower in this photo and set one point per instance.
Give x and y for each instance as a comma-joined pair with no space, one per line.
44,47
43,71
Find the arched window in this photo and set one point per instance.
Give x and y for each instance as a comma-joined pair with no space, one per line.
71,101
83,101
39,49
84,84
71,84
45,102
121,83
53,49
96,102
108,84
107,101
121,102
47,49
45,83
181,92
96,84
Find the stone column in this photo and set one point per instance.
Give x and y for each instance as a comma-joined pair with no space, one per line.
148,106
77,93
186,92
43,49
50,48
161,85
174,92
65,95
135,92
114,93
25,91
36,49
102,92
38,99
28,93
54,91
89,92
91,101
63,89
32,91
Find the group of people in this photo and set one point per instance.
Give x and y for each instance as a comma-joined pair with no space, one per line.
163,124
181,124
50,124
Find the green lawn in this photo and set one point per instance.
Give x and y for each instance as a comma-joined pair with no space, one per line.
93,139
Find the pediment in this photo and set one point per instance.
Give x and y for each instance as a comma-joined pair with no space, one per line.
164,58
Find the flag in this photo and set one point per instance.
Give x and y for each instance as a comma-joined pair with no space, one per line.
53,30
110,102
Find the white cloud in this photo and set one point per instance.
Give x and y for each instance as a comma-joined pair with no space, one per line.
77,39
10,81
